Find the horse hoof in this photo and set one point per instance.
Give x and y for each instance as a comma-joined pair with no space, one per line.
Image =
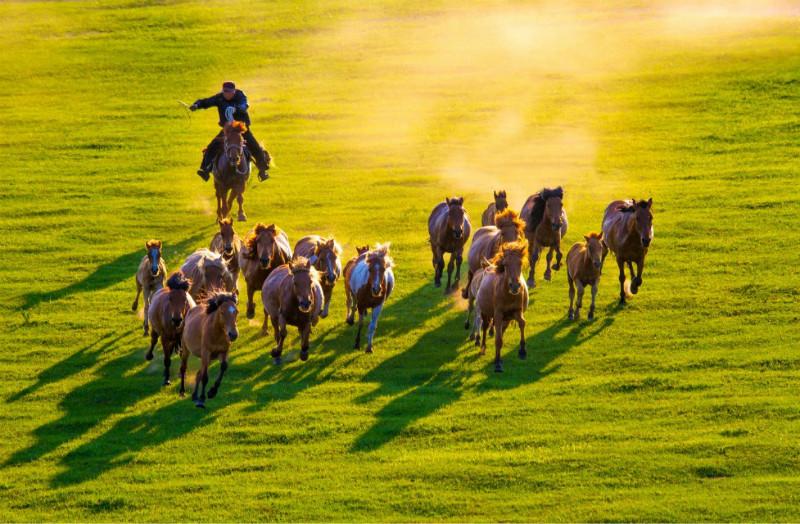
166,383
437,284
368,350
350,321
466,326
304,355
149,356
212,392
547,276
556,267
478,342
134,307
464,293
242,217
356,346
571,315
491,331
277,361
323,315
200,404
498,366
251,313
523,354
531,283
590,316
634,290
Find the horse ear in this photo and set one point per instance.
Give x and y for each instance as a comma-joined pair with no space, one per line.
600,236
650,202
586,238
460,200
447,200
494,193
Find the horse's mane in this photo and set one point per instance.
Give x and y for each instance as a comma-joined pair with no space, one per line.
520,247
152,243
382,251
337,249
539,201
178,282
226,221
630,207
218,297
500,194
252,237
237,125
508,217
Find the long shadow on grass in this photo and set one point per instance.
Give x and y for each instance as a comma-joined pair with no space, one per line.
111,273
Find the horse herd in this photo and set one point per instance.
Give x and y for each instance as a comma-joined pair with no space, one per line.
194,311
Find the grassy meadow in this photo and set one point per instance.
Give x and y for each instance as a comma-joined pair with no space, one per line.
681,406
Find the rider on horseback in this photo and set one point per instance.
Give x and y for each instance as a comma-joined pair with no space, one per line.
231,103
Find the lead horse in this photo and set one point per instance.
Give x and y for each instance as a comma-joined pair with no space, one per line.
628,231
545,225
449,230
231,170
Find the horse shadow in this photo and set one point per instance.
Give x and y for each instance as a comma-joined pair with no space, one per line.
111,273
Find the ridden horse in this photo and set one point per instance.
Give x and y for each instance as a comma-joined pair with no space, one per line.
167,313
231,170
502,297
325,255
487,240
227,243
498,206
209,329
149,277
264,248
628,231
292,294
545,226
449,230
208,273
368,284
584,265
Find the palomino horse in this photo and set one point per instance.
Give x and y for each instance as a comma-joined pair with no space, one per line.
264,248
231,170
227,243
487,240
502,297
449,230
368,284
325,255
167,313
208,272
498,206
209,329
545,225
292,294
628,231
149,277
584,265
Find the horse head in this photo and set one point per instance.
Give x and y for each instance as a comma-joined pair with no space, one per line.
455,216
378,261
643,210
225,305
304,275
327,259
234,142
554,206
500,200
153,248
262,244
508,262
178,302
227,233
595,246
510,226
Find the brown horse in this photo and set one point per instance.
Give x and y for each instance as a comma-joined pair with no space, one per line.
498,206
503,297
472,295
264,248
209,329
149,277
227,243
449,230
628,231
231,170
584,265
167,313
208,273
292,294
487,240
325,255
368,284
545,225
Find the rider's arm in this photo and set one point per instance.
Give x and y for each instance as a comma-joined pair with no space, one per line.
241,101
205,103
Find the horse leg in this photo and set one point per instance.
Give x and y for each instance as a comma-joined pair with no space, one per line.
438,264
557,265
484,327
450,265
265,324
357,344
277,331
240,201
305,333
571,313
621,265
166,345
470,307
351,310
135,305
146,323
594,294
459,259
223,366
465,291
477,327
637,282
251,306
579,303
533,257
280,338
184,359
491,327
549,258
202,375
153,341
521,323
498,342
373,325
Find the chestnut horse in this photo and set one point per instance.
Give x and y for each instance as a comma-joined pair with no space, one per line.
628,231
498,206
368,284
149,277
449,230
487,241
545,225
292,294
208,273
209,329
231,170
264,248
584,265
503,297
325,255
167,313
227,243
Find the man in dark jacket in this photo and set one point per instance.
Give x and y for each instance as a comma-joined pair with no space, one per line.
231,103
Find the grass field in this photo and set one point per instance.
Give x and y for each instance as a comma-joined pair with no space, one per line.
681,406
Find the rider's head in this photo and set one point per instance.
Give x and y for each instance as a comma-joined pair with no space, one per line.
228,90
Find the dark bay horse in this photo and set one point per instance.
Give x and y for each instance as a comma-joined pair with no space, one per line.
325,254
498,206
449,229
227,243
628,231
264,248
167,313
149,277
368,284
584,265
545,225
231,170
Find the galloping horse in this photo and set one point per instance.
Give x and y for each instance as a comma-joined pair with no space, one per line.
227,243
584,265
449,230
231,170
167,313
368,284
292,294
208,273
325,255
264,248
487,240
545,225
149,277
628,231
348,270
209,329
498,206
502,297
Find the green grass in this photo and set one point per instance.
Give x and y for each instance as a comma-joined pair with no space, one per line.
680,406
